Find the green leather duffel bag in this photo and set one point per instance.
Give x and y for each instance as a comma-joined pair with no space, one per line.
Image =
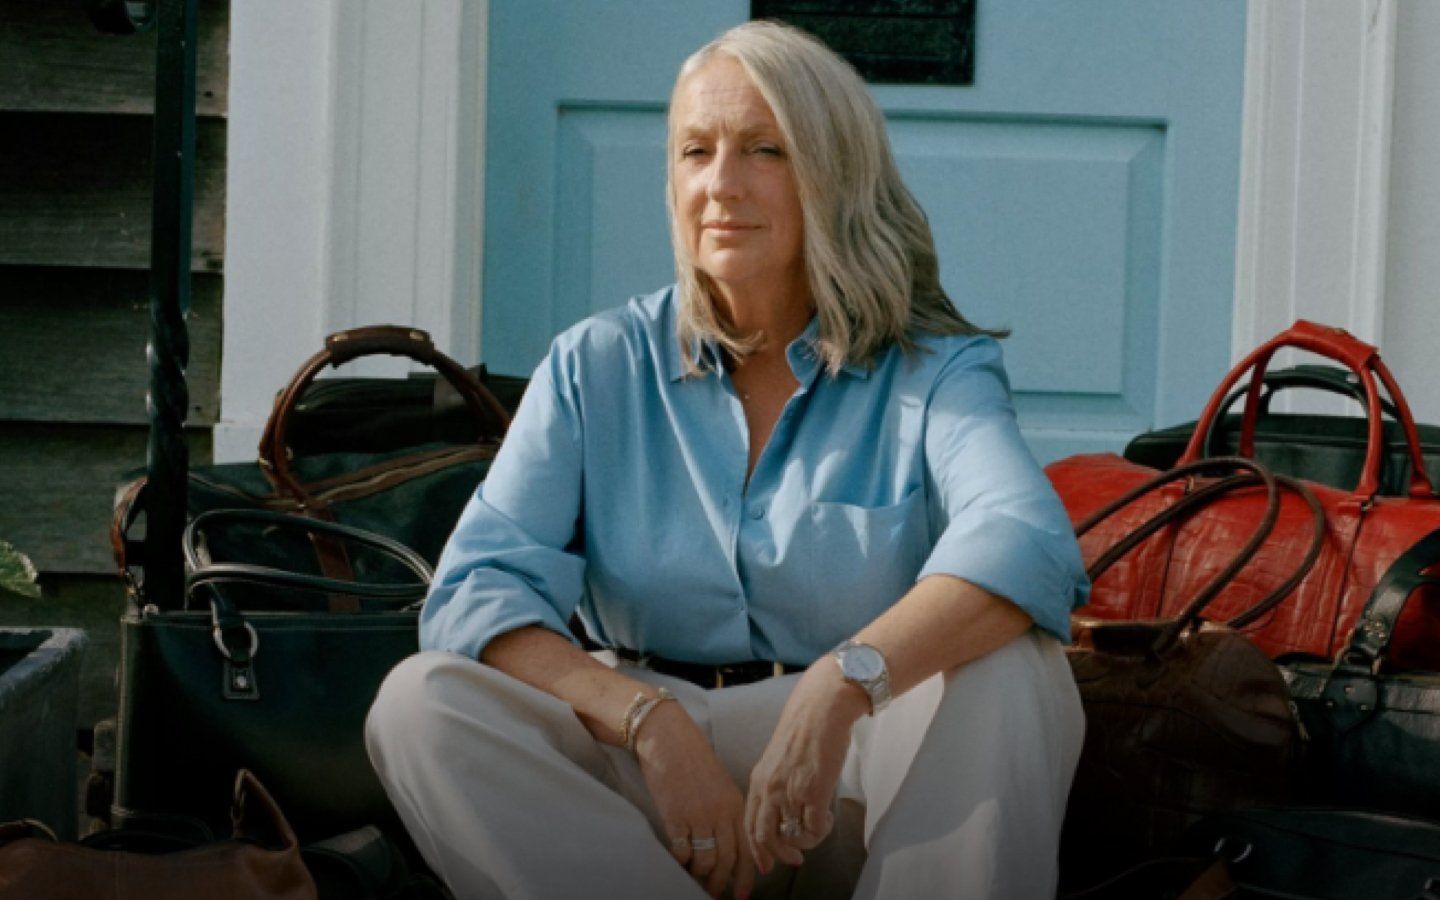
305,577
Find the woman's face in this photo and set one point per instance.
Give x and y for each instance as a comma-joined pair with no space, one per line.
736,203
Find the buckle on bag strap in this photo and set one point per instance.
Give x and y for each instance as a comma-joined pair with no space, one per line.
238,681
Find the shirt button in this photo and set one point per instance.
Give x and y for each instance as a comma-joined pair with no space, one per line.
757,512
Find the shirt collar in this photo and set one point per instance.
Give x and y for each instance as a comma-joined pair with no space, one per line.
802,354
704,353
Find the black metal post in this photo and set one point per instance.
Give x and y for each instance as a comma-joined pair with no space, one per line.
168,352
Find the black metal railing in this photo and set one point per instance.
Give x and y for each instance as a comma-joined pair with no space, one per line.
168,351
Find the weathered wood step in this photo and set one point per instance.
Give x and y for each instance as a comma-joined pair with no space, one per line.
75,191
53,59
59,483
72,345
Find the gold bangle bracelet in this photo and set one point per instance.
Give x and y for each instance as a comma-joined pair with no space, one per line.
629,716
630,732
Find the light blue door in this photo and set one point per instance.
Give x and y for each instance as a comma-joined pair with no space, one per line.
1083,191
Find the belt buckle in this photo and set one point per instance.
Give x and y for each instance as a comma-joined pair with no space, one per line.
776,670
729,672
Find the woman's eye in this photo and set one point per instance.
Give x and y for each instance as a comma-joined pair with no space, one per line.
691,152
769,150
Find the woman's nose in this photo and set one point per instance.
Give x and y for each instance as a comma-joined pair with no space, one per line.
727,178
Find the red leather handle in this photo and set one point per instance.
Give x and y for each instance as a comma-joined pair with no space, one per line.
346,346
1339,345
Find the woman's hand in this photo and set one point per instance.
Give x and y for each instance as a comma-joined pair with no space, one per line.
696,799
794,781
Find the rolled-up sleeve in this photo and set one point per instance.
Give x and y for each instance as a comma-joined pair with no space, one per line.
1004,529
509,562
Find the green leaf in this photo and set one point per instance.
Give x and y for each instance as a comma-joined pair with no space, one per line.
17,573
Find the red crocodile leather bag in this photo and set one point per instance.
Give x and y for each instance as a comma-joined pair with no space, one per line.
1365,532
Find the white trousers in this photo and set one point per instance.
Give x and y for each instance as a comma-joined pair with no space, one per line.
956,790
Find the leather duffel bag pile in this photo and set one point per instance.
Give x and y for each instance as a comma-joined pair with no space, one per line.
305,572
1260,657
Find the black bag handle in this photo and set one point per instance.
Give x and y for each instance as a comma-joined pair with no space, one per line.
203,572
1330,379
1370,640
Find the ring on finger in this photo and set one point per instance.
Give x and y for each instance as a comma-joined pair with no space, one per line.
702,843
680,844
790,827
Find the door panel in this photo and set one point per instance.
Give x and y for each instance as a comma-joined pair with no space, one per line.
1082,192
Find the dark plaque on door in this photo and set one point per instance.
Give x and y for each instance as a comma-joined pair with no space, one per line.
889,41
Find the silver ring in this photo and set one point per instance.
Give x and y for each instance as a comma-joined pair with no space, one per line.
680,844
702,843
217,633
790,828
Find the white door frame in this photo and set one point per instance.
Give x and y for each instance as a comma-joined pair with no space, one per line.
357,158
355,188
1315,167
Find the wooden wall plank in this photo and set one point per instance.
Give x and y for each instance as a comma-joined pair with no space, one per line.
75,191
72,345
59,482
53,59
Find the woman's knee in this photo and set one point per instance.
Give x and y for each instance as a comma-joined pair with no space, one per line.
411,694
1028,678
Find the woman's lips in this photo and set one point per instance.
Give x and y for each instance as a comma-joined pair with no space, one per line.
727,227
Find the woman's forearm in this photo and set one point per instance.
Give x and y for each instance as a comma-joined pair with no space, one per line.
941,623
543,659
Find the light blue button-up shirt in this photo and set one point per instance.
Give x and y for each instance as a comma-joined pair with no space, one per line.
620,493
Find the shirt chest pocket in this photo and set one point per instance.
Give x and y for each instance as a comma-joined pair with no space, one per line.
866,557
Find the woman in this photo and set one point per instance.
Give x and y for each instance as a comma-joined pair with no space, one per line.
783,492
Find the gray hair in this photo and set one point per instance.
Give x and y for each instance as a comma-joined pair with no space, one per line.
869,255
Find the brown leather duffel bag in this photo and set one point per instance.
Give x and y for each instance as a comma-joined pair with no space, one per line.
260,862
1184,717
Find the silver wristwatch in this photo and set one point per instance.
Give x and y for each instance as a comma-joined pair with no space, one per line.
863,665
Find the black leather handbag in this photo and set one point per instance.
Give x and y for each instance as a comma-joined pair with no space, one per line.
1319,854
1291,853
259,674
1321,448
1374,735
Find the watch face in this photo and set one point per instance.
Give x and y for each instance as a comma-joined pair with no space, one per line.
863,663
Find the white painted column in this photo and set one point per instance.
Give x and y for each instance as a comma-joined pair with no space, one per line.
1314,187
278,188
1412,309
355,188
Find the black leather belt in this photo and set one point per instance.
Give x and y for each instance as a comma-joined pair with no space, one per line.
707,676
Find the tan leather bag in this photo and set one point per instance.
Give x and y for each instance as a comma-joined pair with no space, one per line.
260,862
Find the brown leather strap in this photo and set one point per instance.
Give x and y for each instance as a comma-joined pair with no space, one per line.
1254,474
128,505
256,816
345,346
1214,883
1182,507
